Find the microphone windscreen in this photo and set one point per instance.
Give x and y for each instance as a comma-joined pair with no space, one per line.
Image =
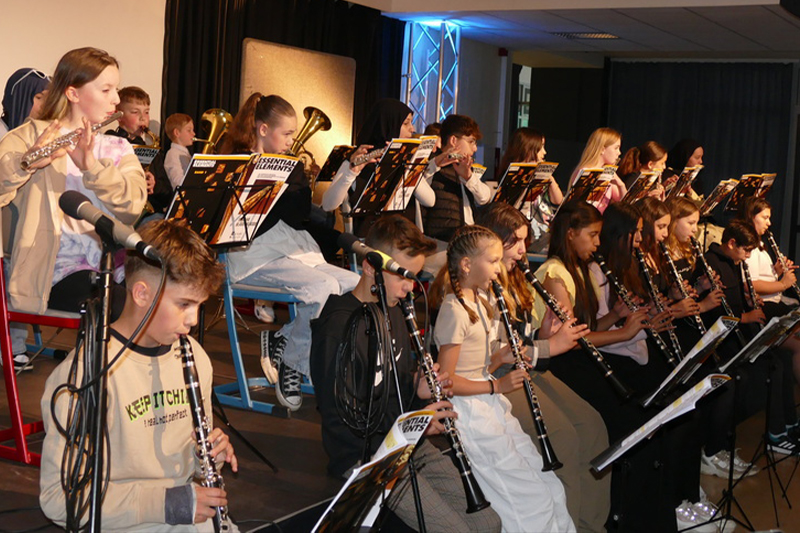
346,241
70,201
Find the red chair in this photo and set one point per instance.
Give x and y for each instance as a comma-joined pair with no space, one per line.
19,431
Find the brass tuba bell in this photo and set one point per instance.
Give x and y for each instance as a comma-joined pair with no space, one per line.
215,122
316,120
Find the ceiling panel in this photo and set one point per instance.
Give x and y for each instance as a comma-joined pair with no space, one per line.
727,30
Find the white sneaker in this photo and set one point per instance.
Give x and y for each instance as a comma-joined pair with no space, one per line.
264,311
707,511
718,464
687,518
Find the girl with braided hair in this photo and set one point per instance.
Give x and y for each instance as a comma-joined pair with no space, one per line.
504,459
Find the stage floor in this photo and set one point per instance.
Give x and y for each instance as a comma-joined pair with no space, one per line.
258,496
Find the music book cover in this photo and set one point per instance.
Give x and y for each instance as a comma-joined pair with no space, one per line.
684,404
720,192
681,374
357,502
584,185
477,171
681,185
747,186
405,189
524,182
145,154
388,173
225,198
642,186
338,155
766,185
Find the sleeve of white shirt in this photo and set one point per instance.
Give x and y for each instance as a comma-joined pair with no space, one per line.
337,192
424,193
172,165
480,191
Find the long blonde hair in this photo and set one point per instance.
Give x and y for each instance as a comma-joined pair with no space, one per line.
599,140
468,241
75,69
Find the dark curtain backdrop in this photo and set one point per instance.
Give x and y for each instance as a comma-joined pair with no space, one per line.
203,48
740,112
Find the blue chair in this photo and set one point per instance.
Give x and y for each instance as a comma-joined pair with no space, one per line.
237,393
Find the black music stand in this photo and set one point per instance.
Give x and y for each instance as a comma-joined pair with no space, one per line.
207,220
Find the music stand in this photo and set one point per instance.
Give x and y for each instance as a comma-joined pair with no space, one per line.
387,178
225,206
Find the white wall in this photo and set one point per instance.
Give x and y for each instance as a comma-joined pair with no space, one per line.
479,94
36,33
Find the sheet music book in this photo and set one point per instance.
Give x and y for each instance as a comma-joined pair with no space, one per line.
686,403
361,493
226,197
766,185
338,155
590,185
145,154
772,334
405,189
642,186
694,359
524,182
389,172
720,192
682,185
478,171
747,186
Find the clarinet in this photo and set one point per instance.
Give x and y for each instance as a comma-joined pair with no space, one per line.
619,387
673,357
782,260
64,141
712,278
679,281
475,498
211,477
751,290
549,459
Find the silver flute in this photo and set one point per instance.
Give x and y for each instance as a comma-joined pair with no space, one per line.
210,475
64,141
378,152
781,259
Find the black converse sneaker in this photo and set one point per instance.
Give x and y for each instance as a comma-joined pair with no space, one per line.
22,363
271,354
288,389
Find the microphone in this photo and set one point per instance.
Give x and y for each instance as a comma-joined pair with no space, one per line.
376,258
80,207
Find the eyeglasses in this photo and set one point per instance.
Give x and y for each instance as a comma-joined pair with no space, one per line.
35,72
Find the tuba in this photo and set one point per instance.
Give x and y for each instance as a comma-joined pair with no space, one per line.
316,120
215,123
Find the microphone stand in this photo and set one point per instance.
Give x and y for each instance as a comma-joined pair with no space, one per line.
96,354
412,470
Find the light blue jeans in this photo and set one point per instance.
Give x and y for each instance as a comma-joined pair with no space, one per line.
310,285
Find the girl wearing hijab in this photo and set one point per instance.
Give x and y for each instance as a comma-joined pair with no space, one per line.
23,98
388,119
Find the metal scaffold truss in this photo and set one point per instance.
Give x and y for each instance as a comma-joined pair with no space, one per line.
431,66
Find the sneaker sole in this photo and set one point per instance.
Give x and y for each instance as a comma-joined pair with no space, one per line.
291,405
270,372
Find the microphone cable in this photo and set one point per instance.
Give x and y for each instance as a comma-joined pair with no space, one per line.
76,462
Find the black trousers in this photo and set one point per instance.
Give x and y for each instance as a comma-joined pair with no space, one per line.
70,292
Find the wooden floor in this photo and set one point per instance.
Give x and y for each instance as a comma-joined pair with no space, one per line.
258,496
